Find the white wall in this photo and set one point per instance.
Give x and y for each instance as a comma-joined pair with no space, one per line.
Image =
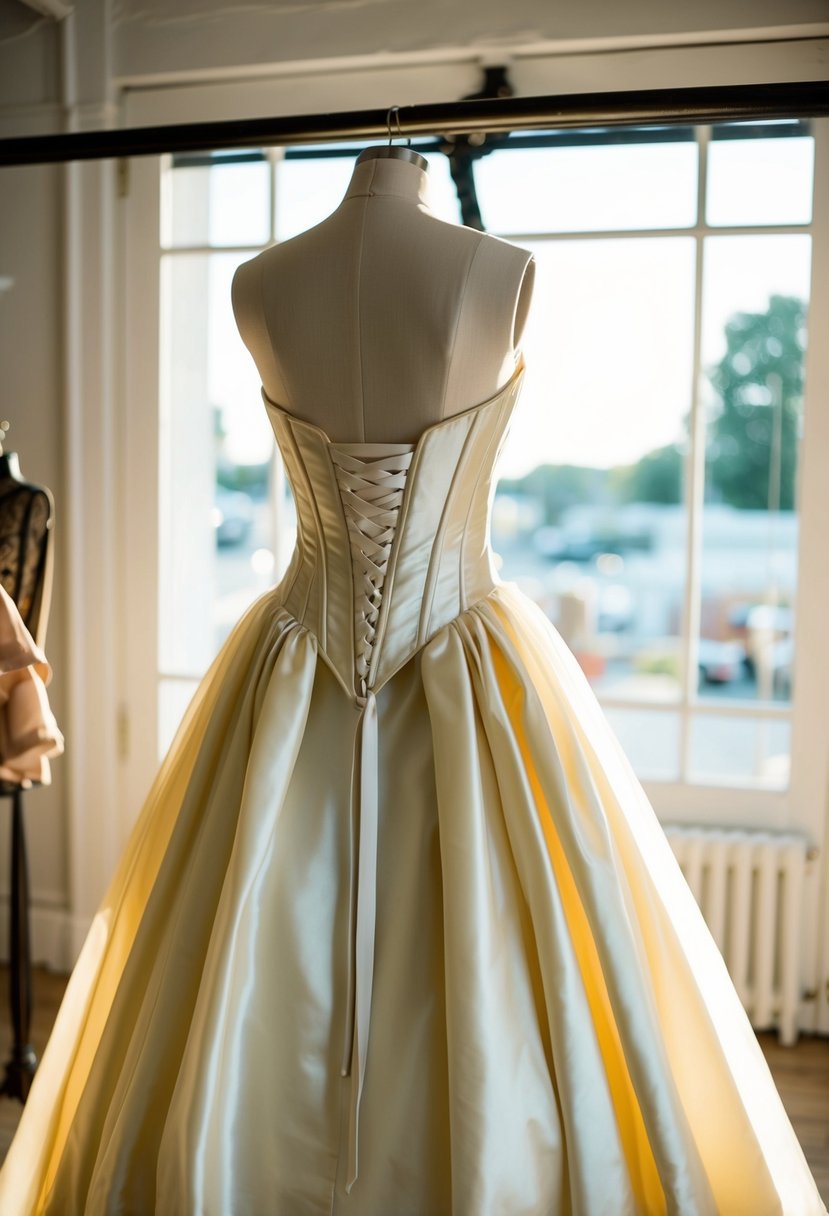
138,42
149,42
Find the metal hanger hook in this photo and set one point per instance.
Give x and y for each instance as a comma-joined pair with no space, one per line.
396,111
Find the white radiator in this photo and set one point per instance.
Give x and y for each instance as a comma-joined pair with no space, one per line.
749,887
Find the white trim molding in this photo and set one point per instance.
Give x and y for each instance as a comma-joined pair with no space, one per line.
55,937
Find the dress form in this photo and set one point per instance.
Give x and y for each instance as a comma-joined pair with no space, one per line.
26,544
374,327
445,301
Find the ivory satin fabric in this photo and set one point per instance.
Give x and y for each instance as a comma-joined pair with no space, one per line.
541,1023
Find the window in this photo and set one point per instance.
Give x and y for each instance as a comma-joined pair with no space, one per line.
647,494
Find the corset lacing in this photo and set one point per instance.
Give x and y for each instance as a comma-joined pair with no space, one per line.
371,489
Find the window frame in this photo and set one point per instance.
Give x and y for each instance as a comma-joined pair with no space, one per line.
689,705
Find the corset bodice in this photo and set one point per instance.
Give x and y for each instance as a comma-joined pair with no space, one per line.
393,540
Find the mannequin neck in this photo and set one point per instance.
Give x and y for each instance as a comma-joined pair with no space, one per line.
389,175
10,467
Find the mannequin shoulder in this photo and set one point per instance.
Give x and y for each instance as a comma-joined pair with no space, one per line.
274,260
496,258
246,290
513,259
245,285
507,270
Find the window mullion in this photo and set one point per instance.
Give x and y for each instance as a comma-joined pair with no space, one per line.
694,485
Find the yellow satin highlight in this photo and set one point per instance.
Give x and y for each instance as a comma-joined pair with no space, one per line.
129,889
641,1164
751,1155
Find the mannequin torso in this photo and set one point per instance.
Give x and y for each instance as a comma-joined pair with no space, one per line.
26,545
383,319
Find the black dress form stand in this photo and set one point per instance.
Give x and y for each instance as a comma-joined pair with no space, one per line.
26,555
22,1063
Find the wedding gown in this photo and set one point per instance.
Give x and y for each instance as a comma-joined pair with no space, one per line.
397,932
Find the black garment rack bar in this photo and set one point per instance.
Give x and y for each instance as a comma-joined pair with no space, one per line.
705,104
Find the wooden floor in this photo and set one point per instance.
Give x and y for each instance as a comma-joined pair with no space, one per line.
800,1072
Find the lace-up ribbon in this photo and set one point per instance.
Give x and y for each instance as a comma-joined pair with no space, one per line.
371,488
